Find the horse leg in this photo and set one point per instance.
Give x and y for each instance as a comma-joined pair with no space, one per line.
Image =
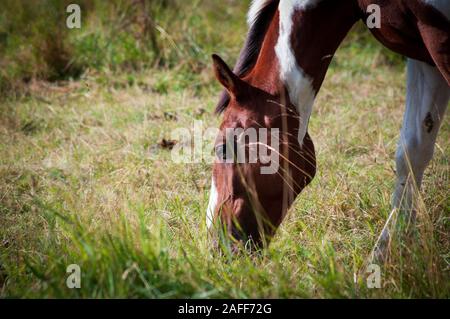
427,98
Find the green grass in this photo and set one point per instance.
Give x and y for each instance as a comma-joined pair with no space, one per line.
117,35
83,181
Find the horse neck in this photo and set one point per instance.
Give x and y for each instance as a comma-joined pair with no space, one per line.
301,46
265,74
316,34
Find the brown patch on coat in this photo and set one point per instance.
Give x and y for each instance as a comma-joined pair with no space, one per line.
415,29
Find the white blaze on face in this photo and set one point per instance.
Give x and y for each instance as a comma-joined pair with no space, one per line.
212,204
298,84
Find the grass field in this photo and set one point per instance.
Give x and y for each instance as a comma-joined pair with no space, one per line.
83,180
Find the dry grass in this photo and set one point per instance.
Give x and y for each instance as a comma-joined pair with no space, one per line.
82,180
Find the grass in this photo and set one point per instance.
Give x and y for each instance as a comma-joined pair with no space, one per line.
117,35
83,181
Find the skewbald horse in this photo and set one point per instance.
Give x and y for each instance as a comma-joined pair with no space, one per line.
280,70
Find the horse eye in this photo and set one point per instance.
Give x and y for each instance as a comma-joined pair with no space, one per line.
220,151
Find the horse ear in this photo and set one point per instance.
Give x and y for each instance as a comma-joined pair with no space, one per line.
226,77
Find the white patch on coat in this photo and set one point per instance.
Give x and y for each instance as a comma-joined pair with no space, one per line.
299,85
441,5
213,195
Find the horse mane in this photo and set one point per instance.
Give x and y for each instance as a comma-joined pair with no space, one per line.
259,17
